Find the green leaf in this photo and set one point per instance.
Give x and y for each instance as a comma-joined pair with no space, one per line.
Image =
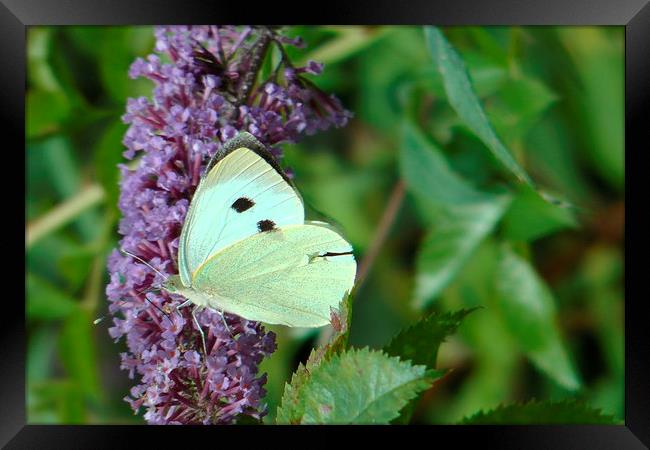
349,41
59,396
41,346
119,48
550,149
77,352
518,106
463,99
44,258
534,412
598,57
531,217
528,308
46,302
46,112
379,81
451,240
39,71
487,77
420,342
64,175
108,154
461,216
359,387
495,359
75,265
338,342
427,172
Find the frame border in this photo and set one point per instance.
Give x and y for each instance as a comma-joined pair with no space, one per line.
17,15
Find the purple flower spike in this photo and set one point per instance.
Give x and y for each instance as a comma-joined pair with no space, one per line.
202,97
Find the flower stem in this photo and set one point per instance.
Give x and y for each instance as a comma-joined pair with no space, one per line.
62,214
385,224
258,53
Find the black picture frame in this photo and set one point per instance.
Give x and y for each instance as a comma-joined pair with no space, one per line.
634,15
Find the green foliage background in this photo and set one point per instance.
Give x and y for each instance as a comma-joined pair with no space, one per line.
513,202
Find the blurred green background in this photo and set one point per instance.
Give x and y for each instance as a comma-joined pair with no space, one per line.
549,275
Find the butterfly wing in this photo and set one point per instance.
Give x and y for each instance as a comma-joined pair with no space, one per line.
290,276
241,195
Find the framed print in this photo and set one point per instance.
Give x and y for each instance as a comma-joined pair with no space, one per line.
387,216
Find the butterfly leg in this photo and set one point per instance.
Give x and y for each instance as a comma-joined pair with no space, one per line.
198,327
185,303
225,324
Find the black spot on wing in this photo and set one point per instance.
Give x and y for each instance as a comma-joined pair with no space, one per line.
265,225
242,204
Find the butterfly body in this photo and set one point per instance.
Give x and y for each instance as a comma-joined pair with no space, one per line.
245,247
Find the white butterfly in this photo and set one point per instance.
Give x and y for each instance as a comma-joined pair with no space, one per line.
245,247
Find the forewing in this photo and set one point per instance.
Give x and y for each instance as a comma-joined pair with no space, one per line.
293,276
240,195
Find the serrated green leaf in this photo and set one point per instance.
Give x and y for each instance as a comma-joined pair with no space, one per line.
420,342
359,387
338,342
528,309
534,412
288,411
531,217
495,357
46,302
463,99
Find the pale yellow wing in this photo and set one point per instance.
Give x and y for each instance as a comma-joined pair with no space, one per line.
292,275
240,196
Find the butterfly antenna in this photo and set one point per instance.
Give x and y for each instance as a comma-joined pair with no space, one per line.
145,292
145,263
159,309
101,318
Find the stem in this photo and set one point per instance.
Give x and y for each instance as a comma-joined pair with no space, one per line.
62,214
385,224
257,57
93,290
222,54
349,41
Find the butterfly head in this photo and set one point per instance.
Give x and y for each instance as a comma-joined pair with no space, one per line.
173,284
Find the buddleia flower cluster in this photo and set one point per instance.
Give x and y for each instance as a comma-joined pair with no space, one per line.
207,87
